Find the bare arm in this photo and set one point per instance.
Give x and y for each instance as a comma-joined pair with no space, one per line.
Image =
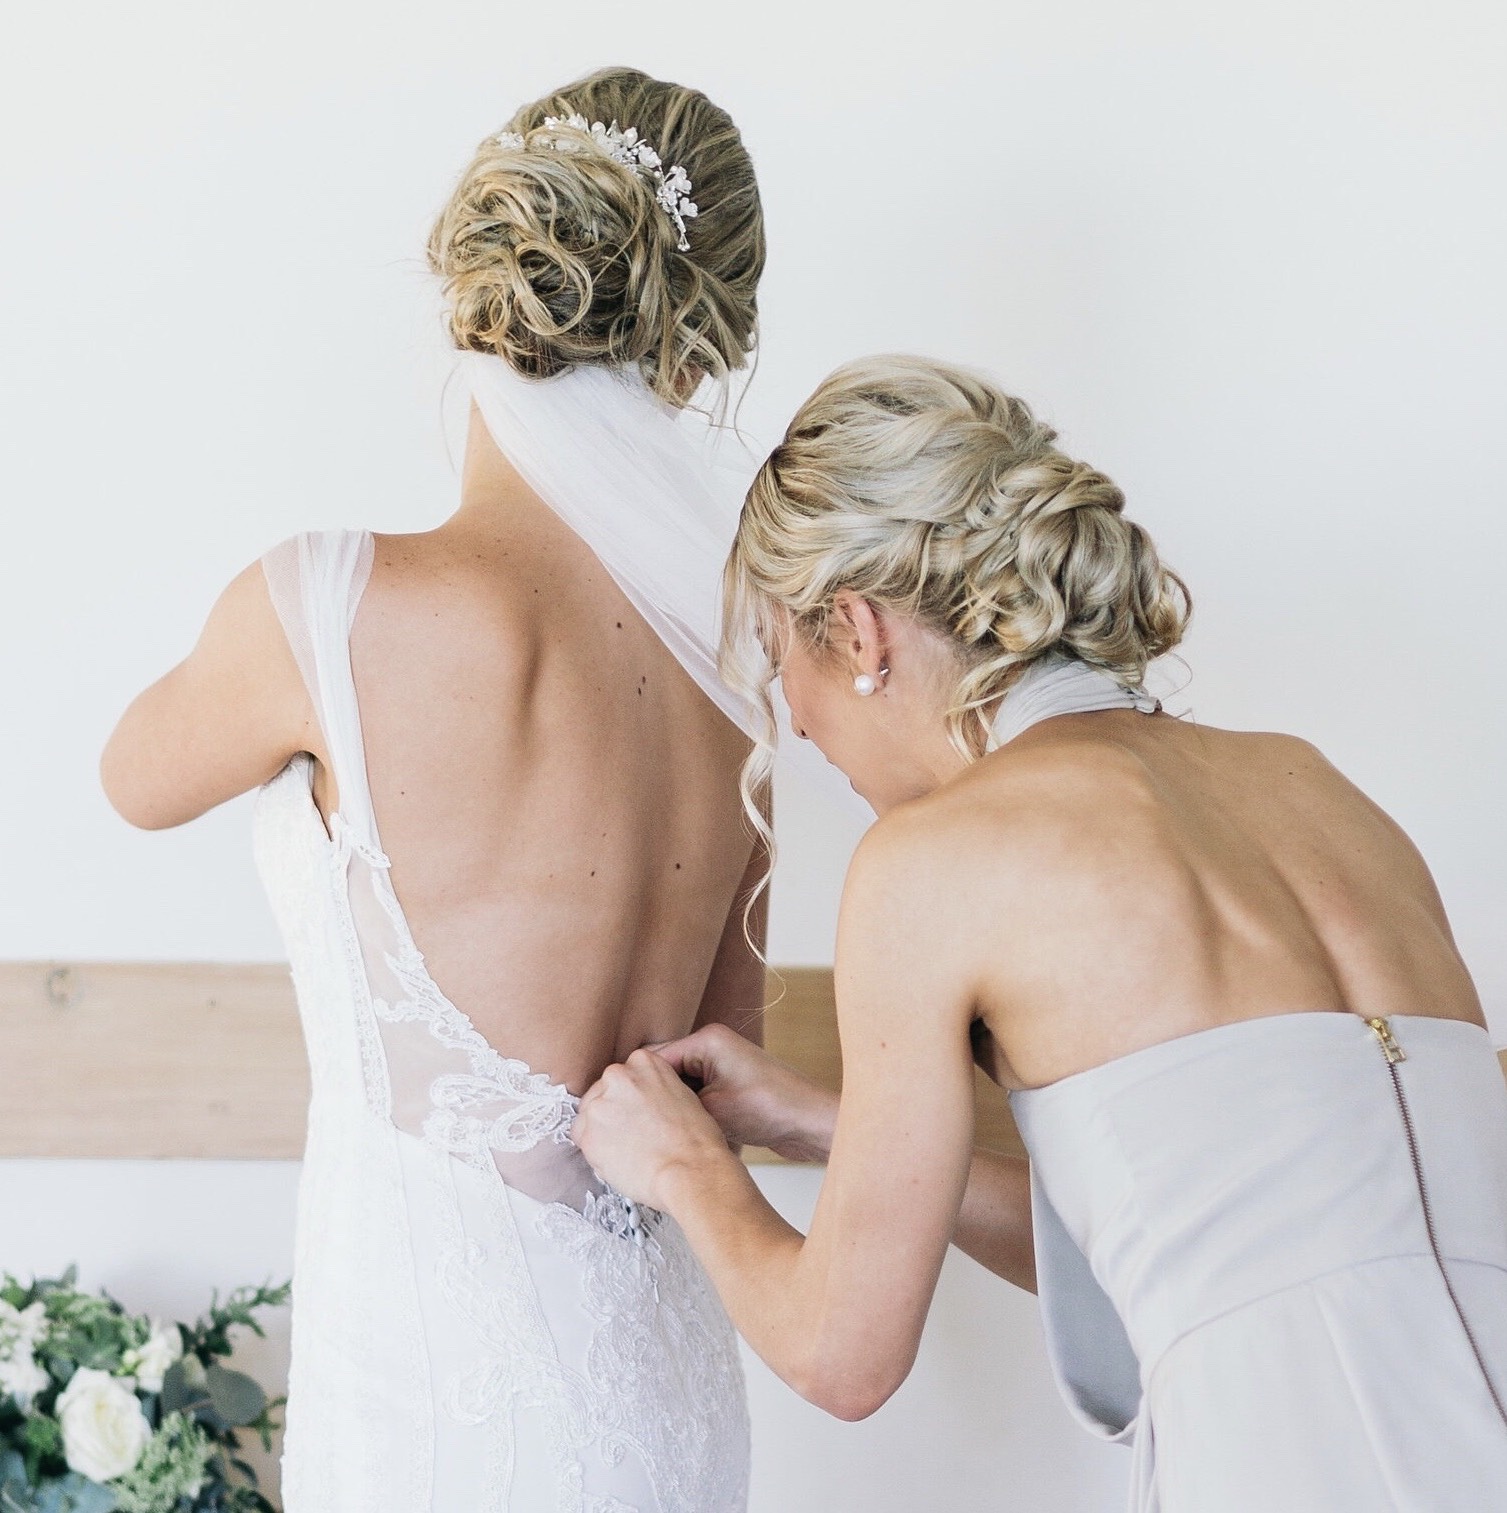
223,721
994,1223
838,1314
757,1100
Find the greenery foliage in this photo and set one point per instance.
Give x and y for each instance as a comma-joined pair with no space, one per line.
196,1408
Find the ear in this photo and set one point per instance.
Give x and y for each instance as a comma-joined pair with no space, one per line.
857,633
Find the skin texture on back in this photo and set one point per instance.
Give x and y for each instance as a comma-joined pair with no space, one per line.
1150,877
558,798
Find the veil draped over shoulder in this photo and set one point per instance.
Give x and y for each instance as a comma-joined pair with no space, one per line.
655,493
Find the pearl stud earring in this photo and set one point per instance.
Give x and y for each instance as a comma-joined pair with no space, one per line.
864,685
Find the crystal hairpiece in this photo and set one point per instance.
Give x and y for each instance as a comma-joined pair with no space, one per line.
672,186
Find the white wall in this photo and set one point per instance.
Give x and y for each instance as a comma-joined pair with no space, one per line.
1247,257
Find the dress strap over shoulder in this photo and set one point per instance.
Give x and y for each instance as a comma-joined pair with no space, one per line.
315,582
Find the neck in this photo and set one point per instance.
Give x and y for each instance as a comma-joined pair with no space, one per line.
1050,688
918,766
489,483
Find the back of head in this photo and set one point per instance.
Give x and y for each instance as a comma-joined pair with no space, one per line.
924,489
555,253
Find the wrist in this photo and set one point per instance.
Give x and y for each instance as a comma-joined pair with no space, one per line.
688,1178
823,1124
812,1124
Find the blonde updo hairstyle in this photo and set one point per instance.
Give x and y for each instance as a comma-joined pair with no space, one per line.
553,255
925,490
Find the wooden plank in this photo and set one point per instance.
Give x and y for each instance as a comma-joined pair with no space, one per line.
159,1059
150,1059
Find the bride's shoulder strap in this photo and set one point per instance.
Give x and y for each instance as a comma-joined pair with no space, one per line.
315,581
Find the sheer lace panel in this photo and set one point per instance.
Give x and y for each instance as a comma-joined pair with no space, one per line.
426,1066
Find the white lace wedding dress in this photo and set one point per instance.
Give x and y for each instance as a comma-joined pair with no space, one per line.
479,1326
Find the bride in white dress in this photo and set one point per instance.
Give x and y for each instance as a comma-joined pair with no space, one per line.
1266,1201
501,829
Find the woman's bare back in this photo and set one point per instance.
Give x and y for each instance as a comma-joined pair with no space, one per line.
558,798
1217,875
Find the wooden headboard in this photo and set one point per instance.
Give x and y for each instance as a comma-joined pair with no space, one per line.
157,1059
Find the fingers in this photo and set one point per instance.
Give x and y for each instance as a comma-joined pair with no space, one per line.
640,1061
703,1054
698,1057
644,1074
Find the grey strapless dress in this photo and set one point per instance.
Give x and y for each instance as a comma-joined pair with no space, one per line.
1274,1261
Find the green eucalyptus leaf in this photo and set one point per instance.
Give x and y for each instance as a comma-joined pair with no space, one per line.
74,1494
12,1475
176,1392
42,1435
90,1497
236,1397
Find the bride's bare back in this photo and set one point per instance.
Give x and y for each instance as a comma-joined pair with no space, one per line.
557,796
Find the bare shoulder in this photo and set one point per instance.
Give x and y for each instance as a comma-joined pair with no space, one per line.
943,887
905,854
244,607
243,645
232,713
438,588
1278,753
1001,818
1302,776
1029,810
902,940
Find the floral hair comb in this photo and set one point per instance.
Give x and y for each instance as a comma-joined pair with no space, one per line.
672,186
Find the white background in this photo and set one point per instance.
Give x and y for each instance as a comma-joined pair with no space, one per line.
1247,257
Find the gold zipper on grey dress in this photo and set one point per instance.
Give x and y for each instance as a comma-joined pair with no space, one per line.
1394,1053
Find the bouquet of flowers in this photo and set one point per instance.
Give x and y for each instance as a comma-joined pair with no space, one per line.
102,1411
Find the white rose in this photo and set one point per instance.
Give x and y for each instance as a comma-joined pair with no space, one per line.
21,1378
149,1362
104,1429
21,1329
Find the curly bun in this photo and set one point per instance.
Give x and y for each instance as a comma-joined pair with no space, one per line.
923,488
554,255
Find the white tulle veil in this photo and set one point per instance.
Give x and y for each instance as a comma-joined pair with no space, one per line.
655,493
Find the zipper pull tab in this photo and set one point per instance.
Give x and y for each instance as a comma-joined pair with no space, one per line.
1390,1048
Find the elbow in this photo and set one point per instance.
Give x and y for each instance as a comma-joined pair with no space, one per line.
118,795
852,1402
854,1409
132,806
850,1392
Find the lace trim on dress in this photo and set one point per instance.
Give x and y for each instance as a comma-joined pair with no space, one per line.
663,1366
491,1289
540,1110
